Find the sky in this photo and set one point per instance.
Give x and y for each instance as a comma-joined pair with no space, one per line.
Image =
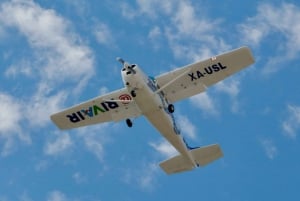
58,53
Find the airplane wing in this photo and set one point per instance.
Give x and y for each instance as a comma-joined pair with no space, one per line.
113,106
195,78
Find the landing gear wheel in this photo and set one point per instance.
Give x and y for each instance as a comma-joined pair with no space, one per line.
133,93
129,123
171,108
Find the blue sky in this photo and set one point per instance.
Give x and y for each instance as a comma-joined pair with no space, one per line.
54,54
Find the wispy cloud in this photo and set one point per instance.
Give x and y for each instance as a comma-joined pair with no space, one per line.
190,34
59,51
10,126
186,127
36,112
281,20
10,116
57,196
150,9
269,148
144,176
291,125
55,56
104,35
94,139
164,148
24,197
59,145
204,102
79,178
231,87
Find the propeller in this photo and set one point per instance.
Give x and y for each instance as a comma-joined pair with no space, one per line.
126,65
119,59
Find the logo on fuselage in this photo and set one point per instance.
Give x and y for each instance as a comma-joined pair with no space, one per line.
125,98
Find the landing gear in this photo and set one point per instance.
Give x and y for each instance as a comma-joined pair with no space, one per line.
133,93
171,108
129,123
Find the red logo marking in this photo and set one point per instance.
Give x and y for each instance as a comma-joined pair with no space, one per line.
125,98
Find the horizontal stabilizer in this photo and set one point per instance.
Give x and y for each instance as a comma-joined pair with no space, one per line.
202,156
207,154
176,164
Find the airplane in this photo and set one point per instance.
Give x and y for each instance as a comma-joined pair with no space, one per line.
154,98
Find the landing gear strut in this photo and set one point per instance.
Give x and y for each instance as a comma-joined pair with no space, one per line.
129,123
171,108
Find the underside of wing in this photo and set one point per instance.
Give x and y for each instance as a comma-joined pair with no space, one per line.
195,78
114,106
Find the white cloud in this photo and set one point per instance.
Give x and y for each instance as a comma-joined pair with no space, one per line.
147,178
254,31
103,90
95,146
151,9
10,115
143,176
188,23
23,68
164,148
56,56
51,35
283,22
127,11
40,107
191,35
154,7
231,87
57,196
81,7
60,145
59,53
104,35
186,127
94,139
204,102
292,124
154,33
10,126
41,165
25,197
79,178
269,148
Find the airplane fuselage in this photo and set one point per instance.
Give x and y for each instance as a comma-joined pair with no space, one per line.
154,107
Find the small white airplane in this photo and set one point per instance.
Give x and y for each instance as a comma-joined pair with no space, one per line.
154,98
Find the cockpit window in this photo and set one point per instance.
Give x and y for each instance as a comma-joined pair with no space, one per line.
152,78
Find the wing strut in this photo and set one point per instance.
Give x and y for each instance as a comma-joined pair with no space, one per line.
171,82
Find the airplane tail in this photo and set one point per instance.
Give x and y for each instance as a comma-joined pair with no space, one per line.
202,157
